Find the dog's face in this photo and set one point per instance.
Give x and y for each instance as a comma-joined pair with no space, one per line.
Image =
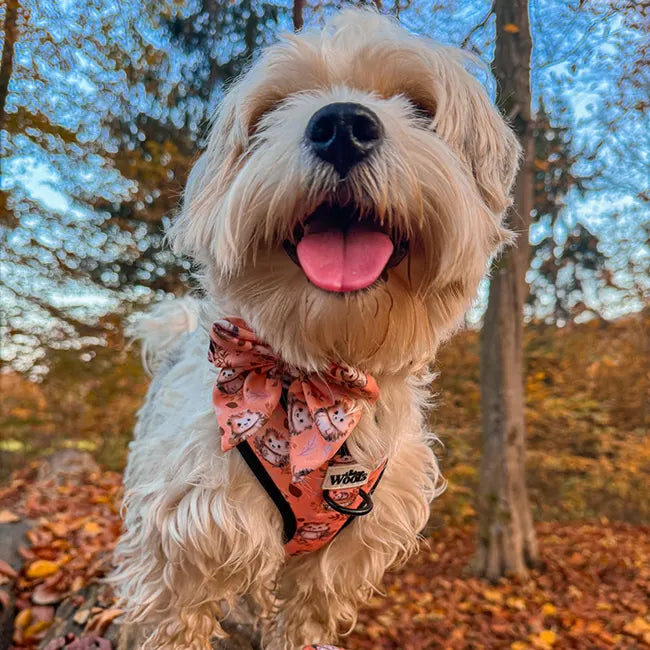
351,195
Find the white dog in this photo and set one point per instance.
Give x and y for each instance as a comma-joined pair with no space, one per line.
344,212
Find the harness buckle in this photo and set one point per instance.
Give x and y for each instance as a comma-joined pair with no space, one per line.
363,509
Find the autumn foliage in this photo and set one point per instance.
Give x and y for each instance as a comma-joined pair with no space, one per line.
591,591
588,468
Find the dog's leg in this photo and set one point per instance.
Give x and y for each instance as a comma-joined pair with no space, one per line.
196,538
321,592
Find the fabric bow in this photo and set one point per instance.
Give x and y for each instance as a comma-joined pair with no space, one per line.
323,408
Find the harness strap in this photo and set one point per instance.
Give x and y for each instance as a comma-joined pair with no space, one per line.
256,466
312,516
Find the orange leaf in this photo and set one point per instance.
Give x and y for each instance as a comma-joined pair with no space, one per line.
35,629
545,639
7,570
492,595
511,28
23,619
99,623
638,627
4,599
92,528
548,609
8,517
81,616
547,636
58,528
41,569
516,603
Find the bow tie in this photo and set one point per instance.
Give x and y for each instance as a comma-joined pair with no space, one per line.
322,408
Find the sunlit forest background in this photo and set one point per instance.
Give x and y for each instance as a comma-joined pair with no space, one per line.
103,108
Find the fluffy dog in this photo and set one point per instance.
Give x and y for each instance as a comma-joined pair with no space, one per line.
365,134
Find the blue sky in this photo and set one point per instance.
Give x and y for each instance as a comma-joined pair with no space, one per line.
66,90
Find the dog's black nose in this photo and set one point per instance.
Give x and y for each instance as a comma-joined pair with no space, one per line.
343,134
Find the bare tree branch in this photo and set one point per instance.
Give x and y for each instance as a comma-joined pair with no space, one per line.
580,43
480,25
82,329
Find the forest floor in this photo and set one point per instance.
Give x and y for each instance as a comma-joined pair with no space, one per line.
588,471
591,590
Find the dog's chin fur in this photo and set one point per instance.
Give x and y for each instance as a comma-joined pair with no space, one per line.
199,530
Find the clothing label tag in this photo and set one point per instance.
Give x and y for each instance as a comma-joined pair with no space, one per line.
339,477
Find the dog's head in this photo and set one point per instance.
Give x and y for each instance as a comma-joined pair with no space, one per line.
351,194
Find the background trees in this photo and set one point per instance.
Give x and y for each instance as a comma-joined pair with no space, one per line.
507,541
105,110
102,111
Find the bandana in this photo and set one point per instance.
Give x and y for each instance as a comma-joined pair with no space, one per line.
321,409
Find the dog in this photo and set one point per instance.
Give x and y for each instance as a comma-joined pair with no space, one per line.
347,205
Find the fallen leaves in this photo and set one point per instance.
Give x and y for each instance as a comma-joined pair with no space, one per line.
92,528
31,624
75,525
41,569
548,609
545,639
7,570
8,517
99,623
43,594
599,602
70,642
639,628
592,592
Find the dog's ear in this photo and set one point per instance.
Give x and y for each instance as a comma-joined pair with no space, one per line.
468,120
491,149
228,133
192,232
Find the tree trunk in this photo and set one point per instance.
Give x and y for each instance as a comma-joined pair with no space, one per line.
298,21
10,29
507,543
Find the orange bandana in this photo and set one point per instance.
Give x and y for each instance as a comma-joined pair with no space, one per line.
323,408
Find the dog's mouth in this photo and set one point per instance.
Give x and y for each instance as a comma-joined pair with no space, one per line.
340,250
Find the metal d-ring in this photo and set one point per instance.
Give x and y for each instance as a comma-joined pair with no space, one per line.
363,509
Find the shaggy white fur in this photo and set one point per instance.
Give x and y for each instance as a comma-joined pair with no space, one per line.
200,532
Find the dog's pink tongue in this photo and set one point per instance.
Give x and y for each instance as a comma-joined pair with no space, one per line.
338,260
